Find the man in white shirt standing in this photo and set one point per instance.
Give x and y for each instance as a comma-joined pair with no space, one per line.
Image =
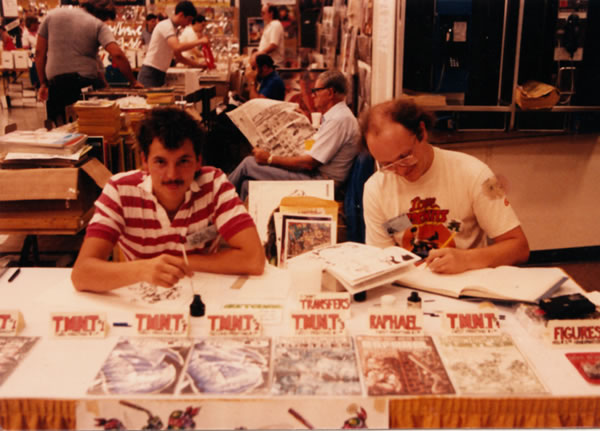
164,44
271,42
193,33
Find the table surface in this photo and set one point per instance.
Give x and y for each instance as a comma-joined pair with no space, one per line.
37,292
45,388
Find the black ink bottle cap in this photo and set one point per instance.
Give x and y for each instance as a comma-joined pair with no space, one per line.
197,308
414,300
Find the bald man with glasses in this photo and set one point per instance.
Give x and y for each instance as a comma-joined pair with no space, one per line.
444,205
330,157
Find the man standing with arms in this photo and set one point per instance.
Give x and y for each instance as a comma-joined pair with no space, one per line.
173,203
66,55
330,157
440,204
164,45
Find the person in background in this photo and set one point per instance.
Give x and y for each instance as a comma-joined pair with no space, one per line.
32,24
151,21
271,84
65,64
172,203
440,204
164,45
194,33
272,39
330,157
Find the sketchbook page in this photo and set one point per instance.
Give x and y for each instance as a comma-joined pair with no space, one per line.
273,125
488,364
354,262
264,197
508,283
402,365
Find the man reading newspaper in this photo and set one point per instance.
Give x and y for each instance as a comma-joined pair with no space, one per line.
330,156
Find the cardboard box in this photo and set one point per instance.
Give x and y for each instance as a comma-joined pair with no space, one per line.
8,61
20,59
50,200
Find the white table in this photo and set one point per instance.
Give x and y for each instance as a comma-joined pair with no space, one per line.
44,389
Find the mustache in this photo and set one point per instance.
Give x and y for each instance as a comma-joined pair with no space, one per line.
172,182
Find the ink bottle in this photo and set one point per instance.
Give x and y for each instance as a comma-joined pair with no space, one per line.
413,301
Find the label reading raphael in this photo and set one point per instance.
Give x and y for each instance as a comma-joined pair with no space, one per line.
386,321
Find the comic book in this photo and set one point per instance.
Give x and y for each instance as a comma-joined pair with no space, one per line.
315,366
142,365
402,365
488,364
223,365
12,352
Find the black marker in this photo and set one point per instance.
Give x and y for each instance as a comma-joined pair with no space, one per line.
121,324
15,275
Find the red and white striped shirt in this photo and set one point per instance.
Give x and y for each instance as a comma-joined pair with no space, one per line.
128,212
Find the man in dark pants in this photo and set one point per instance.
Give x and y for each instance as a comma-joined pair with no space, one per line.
67,54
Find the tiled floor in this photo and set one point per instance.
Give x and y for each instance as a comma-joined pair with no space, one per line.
61,250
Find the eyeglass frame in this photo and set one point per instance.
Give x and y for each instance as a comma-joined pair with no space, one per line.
314,90
402,160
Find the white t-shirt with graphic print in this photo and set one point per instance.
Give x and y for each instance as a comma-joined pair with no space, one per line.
458,203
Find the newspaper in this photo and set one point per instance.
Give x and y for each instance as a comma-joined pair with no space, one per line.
273,125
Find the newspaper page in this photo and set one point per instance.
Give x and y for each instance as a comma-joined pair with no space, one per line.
273,125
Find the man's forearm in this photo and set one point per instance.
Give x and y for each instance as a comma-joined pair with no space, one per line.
99,275
229,261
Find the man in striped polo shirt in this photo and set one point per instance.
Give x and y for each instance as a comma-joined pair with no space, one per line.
171,203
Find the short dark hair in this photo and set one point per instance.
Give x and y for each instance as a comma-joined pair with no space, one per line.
187,7
101,9
172,126
199,18
274,11
264,60
402,111
334,79
151,16
31,20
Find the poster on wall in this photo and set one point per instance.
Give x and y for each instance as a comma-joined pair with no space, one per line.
10,8
255,30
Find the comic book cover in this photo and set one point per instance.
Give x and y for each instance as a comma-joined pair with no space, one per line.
12,352
223,365
315,366
402,365
588,365
142,365
485,364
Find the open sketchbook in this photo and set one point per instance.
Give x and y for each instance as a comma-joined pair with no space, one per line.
360,267
504,283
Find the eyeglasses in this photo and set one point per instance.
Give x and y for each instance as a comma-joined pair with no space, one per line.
314,90
405,161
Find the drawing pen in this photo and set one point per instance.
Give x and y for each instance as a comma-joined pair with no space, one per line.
431,314
122,324
14,275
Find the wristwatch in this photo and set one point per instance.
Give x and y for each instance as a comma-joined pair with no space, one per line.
270,159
